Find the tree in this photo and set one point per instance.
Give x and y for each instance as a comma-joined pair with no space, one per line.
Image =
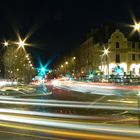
17,65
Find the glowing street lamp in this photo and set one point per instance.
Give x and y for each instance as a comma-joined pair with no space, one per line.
21,43
27,56
105,53
74,58
5,43
137,26
62,66
66,62
43,69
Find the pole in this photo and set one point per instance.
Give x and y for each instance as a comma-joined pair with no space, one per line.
139,108
107,63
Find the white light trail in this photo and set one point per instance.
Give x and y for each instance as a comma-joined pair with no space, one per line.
11,98
90,106
43,114
106,129
86,87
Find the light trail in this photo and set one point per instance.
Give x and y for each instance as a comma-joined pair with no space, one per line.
29,135
86,88
11,98
105,129
92,87
69,134
54,115
122,101
90,106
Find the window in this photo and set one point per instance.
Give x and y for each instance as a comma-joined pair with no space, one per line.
133,45
117,58
117,44
133,57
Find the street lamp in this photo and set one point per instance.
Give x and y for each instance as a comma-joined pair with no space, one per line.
106,53
66,62
74,58
21,43
66,66
137,26
27,56
5,43
138,108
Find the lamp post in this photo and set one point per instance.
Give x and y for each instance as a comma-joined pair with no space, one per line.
136,26
138,108
6,43
66,66
105,53
74,58
21,43
62,69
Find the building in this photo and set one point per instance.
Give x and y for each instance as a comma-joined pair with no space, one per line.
123,56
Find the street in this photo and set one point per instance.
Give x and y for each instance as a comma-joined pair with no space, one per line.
67,114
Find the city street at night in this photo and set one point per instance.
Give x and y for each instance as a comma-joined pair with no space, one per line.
66,113
70,70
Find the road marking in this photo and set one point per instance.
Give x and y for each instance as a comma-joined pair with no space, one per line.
22,92
99,99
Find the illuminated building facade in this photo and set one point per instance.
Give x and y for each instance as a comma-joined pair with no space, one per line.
123,54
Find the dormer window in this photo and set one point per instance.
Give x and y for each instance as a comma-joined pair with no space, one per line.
117,45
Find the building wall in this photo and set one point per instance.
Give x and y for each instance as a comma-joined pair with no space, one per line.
119,45
91,58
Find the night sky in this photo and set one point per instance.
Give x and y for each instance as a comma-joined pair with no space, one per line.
59,25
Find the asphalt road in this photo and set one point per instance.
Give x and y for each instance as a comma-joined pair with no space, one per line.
28,114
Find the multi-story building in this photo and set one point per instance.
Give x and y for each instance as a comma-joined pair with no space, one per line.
122,53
